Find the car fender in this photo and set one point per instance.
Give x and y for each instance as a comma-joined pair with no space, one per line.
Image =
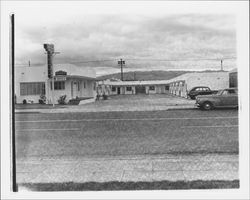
213,100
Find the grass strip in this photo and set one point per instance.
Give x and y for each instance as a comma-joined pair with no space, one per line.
116,185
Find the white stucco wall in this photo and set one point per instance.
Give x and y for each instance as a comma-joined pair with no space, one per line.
28,74
84,92
213,80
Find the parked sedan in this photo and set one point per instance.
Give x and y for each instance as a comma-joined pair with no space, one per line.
223,98
200,90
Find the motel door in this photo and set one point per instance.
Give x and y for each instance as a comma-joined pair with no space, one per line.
74,89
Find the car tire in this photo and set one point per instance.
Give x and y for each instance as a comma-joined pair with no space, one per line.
207,106
192,97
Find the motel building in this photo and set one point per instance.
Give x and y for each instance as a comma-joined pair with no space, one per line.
70,80
138,87
178,86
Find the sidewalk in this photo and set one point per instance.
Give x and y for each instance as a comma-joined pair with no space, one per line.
129,168
124,103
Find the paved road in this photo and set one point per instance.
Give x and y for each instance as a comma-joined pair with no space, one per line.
84,135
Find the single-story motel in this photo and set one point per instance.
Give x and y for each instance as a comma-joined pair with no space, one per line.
76,82
178,86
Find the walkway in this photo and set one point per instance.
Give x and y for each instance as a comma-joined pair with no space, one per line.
129,168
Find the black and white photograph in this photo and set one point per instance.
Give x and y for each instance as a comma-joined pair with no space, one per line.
147,99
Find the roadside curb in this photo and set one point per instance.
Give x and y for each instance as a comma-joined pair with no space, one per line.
67,110
28,112
193,108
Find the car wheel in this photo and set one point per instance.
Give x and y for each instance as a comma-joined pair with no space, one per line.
207,106
192,97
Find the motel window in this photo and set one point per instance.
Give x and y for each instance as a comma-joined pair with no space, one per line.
58,85
113,89
167,87
84,84
33,88
151,87
129,88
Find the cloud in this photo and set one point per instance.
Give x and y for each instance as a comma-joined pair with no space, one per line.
111,37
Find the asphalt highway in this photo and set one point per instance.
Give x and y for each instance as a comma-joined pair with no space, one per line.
58,135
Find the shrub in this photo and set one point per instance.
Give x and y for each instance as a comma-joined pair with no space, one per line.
105,97
42,99
61,100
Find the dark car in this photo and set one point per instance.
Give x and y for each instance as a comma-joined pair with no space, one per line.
200,90
223,98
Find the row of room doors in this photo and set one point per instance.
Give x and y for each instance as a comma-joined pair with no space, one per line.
138,90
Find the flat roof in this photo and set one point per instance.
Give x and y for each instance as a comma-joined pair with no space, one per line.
182,77
133,83
233,70
71,70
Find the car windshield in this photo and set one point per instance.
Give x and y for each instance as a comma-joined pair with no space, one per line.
219,92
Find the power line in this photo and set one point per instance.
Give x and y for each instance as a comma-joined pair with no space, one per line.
78,62
167,60
146,59
180,60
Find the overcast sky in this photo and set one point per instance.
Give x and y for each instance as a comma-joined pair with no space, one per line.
140,39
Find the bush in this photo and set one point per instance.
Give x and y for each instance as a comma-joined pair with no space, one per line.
105,97
61,100
42,99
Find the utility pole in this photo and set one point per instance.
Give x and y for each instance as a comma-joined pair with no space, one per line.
29,63
121,62
221,65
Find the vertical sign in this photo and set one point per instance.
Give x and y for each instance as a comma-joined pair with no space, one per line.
50,52
121,62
